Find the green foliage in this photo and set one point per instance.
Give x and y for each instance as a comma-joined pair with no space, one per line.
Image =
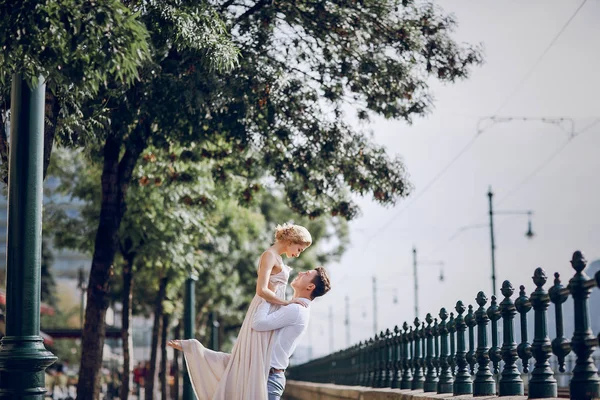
80,44
48,283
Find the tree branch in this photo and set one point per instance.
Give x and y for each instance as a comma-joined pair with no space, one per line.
3,148
52,109
253,10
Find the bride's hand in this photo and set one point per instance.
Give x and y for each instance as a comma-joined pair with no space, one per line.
176,344
297,301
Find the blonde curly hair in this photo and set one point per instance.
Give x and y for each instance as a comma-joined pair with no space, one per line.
293,233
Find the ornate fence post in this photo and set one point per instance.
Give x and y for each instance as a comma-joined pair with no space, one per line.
436,345
523,306
377,363
463,383
360,364
585,383
396,358
560,345
451,331
431,379
493,314
445,382
388,361
470,321
371,355
406,381
542,383
418,378
484,384
510,383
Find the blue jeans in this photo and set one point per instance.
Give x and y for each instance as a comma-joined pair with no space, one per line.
276,385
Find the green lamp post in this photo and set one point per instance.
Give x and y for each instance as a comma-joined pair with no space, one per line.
188,328
23,357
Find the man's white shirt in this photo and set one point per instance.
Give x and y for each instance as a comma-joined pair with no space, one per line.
289,322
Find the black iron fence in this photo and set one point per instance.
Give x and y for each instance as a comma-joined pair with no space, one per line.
443,356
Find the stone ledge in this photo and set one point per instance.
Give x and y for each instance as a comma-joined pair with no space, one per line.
296,390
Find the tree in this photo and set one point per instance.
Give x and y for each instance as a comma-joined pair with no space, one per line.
76,47
280,113
178,220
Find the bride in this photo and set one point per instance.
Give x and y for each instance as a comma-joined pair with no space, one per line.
242,375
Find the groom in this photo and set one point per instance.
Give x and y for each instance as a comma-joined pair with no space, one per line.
290,322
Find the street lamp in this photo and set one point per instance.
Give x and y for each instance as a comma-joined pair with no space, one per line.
529,234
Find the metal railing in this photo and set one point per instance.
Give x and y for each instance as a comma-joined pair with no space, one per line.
444,357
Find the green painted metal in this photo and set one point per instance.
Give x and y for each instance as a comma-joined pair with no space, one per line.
188,330
452,334
396,363
445,378
463,383
380,360
542,383
585,383
406,381
391,358
493,314
214,337
431,379
561,346
436,346
23,357
418,377
510,383
523,305
484,384
371,362
471,323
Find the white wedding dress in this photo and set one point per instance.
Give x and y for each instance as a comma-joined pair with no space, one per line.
241,375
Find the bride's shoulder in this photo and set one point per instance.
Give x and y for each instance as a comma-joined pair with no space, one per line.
269,256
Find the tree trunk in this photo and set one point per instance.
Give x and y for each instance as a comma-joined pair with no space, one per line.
116,177
176,372
126,323
50,122
163,372
156,333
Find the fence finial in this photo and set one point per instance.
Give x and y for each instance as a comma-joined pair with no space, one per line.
484,383
523,306
542,383
463,383
418,377
560,345
431,379
510,383
397,356
493,313
446,380
585,383
405,383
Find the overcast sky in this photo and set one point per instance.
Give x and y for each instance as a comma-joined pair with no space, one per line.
564,195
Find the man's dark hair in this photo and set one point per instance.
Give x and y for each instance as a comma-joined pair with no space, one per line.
321,281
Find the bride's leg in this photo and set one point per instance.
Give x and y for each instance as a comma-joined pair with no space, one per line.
176,344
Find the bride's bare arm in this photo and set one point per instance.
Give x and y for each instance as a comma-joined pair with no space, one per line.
267,262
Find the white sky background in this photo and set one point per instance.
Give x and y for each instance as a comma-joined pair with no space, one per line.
564,195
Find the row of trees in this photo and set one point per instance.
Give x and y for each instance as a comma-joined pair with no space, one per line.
255,90
175,226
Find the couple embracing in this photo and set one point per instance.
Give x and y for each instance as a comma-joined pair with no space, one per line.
255,369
